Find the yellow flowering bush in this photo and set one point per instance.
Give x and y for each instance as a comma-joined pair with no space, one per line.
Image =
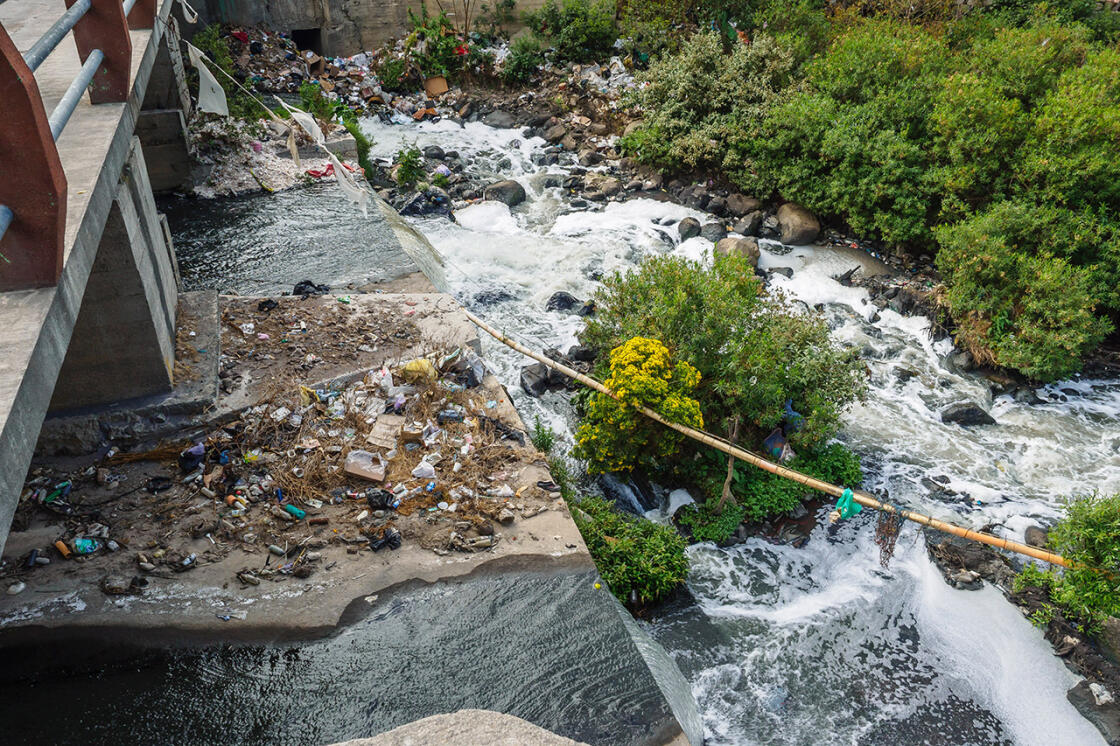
613,435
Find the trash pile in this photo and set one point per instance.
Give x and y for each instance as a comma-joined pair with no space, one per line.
415,453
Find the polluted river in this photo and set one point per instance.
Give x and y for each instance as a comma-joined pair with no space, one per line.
779,645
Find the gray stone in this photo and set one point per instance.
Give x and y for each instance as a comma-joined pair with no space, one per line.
501,119
749,224
562,301
434,152
713,231
786,271
1105,717
555,133
688,228
508,191
966,414
747,247
740,204
798,225
534,379
1036,536
506,516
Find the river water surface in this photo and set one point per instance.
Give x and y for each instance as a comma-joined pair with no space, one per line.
819,645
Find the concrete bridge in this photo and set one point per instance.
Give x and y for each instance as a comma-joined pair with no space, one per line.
94,108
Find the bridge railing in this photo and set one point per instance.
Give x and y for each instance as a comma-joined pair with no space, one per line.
33,198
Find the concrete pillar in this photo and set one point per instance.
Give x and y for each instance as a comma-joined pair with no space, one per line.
123,345
162,122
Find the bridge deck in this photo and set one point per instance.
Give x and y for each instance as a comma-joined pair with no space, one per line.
35,325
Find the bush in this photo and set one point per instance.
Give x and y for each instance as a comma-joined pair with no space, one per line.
708,522
410,162
579,30
525,56
634,556
613,436
754,350
542,437
1088,536
434,45
700,102
393,74
1015,296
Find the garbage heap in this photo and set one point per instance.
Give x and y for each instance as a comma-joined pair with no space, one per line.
416,453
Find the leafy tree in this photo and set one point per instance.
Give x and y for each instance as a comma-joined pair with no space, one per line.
579,30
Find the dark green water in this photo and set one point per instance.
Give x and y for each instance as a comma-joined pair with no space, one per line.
548,648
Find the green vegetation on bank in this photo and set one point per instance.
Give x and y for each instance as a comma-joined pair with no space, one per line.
1088,536
636,557
711,348
988,136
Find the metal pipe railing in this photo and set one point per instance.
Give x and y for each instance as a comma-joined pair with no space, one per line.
61,114
56,33
128,7
5,220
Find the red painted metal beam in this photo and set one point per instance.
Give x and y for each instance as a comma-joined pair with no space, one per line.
142,15
34,186
104,27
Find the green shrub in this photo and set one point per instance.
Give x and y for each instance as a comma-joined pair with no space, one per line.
755,351
699,102
1088,536
613,436
362,145
579,30
1017,299
1069,157
707,522
760,494
1025,63
542,436
411,166
313,101
434,45
525,56
633,555
393,74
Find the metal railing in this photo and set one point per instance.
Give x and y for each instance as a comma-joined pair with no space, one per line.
38,53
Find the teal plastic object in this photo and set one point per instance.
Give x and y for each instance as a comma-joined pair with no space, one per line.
847,505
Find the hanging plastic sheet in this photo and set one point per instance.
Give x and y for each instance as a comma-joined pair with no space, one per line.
353,191
306,121
211,97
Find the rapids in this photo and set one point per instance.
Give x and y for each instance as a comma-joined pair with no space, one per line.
820,644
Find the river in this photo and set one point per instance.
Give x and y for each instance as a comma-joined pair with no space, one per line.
781,645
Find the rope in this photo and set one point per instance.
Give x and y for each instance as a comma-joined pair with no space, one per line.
858,496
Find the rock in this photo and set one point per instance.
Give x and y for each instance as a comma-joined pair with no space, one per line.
562,301
747,247
555,133
1036,536
534,379
653,183
786,271
1105,716
717,206
962,361
966,580
569,142
508,191
16,588
1109,639
769,227
581,353
1026,395
607,185
688,228
499,119
713,231
506,516
434,152
739,205
590,158
749,224
798,225
966,414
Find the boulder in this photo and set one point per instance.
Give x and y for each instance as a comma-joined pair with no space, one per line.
713,231
749,224
1036,536
590,158
555,133
501,119
717,206
966,414
508,191
798,225
608,185
434,152
747,247
688,228
740,204
562,301
534,379
581,353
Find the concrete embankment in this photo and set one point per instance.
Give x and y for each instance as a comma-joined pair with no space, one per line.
491,588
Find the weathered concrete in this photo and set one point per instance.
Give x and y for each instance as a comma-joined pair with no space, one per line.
475,726
36,325
163,133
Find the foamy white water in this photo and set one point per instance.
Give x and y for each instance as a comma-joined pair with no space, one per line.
819,644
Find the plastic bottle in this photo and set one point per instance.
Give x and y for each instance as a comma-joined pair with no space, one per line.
294,511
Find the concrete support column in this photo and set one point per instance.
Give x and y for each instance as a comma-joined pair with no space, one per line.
123,345
162,122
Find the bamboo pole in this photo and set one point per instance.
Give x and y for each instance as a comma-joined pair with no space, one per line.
720,444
